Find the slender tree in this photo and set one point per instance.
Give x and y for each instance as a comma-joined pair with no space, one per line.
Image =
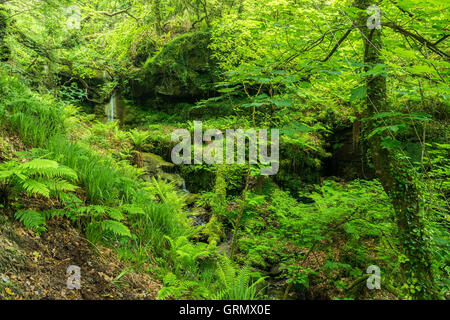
4,50
156,7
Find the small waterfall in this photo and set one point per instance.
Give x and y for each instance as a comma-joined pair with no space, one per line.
183,186
111,108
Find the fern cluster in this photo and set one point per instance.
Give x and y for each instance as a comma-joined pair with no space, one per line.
236,284
38,177
104,220
31,219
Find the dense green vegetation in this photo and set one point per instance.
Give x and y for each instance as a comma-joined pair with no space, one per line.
364,154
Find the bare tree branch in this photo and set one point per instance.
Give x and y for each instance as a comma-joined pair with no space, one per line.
338,44
441,39
417,37
112,14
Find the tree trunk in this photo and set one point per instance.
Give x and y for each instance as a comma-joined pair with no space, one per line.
395,175
157,12
4,49
138,159
238,218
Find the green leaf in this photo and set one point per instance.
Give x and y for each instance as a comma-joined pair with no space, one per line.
358,93
115,227
31,219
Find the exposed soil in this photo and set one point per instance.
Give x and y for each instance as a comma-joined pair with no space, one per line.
34,267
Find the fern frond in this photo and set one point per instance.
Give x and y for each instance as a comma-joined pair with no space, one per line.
115,214
58,185
6,174
237,284
95,209
115,227
65,173
31,219
132,209
39,164
33,187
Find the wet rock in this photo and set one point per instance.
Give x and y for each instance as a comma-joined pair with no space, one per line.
172,177
156,164
191,199
199,219
348,160
275,271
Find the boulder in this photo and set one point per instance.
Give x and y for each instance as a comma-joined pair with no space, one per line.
182,69
155,164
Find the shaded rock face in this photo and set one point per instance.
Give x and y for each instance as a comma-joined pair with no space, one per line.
182,70
156,166
141,50
93,87
348,160
198,179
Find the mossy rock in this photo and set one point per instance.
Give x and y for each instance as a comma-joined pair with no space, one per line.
192,198
172,177
183,68
214,231
141,49
198,178
156,164
12,259
5,150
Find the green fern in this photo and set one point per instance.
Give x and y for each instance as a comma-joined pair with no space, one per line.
33,187
98,212
115,227
167,192
138,138
100,223
236,284
31,219
132,209
115,214
98,229
38,177
40,164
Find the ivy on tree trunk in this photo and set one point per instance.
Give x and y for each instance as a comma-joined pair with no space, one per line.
395,174
4,50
